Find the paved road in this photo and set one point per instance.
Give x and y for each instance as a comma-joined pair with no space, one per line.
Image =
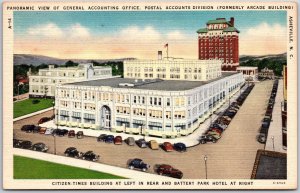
232,157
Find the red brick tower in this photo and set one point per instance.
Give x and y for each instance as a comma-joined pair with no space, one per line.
220,40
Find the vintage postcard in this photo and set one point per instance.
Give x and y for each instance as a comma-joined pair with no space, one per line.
145,95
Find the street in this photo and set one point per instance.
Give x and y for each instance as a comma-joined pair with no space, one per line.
232,157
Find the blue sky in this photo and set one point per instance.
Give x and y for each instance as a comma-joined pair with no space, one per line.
109,26
107,22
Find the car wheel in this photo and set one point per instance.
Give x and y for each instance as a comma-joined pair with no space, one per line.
131,167
202,142
83,158
144,169
34,149
160,173
66,154
214,141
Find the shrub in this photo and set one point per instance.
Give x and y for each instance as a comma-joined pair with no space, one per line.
35,101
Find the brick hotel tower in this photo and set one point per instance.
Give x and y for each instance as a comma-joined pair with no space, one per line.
220,40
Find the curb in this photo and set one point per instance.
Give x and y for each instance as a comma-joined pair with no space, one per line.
32,114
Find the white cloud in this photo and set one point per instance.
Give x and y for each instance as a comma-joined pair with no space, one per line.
266,30
78,31
47,30
263,39
176,35
135,33
51,30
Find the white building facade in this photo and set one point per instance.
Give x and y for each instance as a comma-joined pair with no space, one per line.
44,83
173,69
162,108
250,73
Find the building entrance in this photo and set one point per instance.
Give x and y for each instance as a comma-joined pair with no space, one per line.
105,119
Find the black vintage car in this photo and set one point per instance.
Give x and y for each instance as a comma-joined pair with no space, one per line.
138,164
181,147
28,128
141,143
89,155
36,129
26,144
207,138
60,132
40,147
16,143
72,152
101,137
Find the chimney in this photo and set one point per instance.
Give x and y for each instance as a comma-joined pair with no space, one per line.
232,21
159,56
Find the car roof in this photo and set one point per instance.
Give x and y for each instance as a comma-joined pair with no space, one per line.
179,144
89,152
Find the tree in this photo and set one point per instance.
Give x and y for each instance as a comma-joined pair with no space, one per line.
70,63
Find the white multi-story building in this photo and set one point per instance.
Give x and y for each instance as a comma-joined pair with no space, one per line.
44,83
173,69
250,73
156,107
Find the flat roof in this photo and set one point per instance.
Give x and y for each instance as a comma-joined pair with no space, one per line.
166,85
269,165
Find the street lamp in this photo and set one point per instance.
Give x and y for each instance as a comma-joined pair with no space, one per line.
205,162
55,118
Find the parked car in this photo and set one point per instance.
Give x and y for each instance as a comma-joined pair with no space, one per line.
42,130
109,139
118,140
141,143
52,117
153,145
181,147
89,155
207,138
138,164
40,147
25,144
215,134
79,134
101,137
167,146
27,128
16,143
43,120
60,132
130,141
71,133
36,129
168,170
72,152
49,131
216,129
261,138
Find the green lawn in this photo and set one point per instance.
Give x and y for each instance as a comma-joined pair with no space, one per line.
27,168
26,107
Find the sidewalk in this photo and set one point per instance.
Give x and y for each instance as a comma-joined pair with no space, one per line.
275,129
32,114
21,97
190,140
